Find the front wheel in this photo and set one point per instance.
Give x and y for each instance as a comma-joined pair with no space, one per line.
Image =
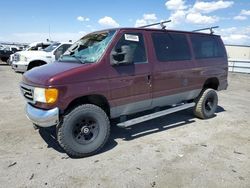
84,130
206,104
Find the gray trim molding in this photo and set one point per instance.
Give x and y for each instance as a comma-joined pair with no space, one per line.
139,106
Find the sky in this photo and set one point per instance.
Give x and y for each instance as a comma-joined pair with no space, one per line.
36,20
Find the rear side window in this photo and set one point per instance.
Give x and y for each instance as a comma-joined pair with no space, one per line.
171,46
206,46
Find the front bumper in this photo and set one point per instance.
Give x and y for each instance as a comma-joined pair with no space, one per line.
42,118
19,66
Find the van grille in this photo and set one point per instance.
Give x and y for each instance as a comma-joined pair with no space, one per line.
27,92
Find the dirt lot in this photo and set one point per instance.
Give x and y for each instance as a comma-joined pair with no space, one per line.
177,150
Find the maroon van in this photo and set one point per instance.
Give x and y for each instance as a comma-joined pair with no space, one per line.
118,72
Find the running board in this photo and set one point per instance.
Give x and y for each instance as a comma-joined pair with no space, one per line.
155,115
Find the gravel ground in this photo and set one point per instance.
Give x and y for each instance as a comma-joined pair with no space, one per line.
177,150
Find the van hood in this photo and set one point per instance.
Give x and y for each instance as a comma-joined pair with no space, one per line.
51,74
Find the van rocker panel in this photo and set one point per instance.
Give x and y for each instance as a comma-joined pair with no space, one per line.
155,102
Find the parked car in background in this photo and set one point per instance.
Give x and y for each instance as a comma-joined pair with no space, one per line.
31,47
27,60
7,51
118,72
37,46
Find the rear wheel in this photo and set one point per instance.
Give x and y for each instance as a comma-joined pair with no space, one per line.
206,104
84,130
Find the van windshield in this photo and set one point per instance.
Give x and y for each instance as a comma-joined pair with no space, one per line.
89,48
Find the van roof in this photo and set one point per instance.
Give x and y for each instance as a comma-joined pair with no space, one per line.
155,29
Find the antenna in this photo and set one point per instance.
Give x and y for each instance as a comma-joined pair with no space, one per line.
158,23
207,28
49,33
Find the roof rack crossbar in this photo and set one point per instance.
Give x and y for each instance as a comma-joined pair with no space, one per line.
207,28
158,23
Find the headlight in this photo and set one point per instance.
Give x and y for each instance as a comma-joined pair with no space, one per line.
45,95
23,58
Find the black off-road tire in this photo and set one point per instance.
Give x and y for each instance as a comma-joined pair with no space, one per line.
70,132
206,104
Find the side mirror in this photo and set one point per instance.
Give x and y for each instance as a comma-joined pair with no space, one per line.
123,56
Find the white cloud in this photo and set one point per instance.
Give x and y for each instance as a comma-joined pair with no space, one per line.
147,19
33,37
82,19
140,22
182,12
245,12
235,35
194,13
176,18
198,18
108,21
175,5
228,30
239,17
236,39
208,7
243,15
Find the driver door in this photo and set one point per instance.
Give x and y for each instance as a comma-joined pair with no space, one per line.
130,83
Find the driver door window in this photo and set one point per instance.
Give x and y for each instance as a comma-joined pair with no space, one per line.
130,47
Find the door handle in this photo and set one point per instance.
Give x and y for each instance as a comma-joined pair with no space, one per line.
149,80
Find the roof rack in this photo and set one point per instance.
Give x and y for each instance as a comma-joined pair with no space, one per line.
158,23
207,28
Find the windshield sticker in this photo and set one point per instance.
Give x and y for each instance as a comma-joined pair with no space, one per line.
132,37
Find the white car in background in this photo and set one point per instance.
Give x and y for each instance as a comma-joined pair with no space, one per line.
38,46
31,47
26,60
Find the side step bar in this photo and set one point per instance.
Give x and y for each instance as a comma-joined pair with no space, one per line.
155,115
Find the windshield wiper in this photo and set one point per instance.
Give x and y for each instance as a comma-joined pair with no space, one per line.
75,57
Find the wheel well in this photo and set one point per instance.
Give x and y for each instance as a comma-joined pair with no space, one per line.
211,83
97,100
33,64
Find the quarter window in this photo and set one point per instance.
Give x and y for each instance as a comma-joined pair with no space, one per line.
171,46
206,46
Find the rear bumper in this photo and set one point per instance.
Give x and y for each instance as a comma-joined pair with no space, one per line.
42,118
